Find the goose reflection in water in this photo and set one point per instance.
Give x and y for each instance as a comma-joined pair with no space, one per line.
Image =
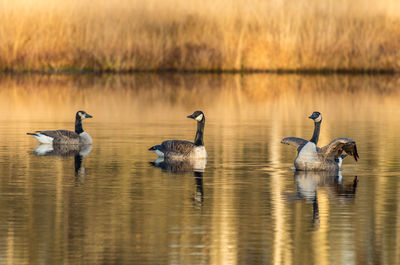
197,166
78,151
308,183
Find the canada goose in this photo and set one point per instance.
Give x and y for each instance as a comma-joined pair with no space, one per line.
79,137
179,149
311,157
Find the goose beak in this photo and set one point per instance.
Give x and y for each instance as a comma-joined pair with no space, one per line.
311,116
190,116
88,116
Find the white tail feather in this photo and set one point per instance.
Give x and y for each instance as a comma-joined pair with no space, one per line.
44,139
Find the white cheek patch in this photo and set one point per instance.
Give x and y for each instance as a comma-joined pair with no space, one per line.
81,115
319,118
199,118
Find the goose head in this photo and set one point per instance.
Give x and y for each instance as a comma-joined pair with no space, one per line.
316,116
198,115
80,115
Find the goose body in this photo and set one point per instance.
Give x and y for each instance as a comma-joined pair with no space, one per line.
179,149
66,137
327,158
307,156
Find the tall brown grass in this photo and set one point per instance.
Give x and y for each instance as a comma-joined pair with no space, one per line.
56,35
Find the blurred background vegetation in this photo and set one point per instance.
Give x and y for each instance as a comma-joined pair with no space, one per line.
206,35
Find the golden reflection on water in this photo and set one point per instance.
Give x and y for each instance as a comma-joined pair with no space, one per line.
248,167
359,98
320,239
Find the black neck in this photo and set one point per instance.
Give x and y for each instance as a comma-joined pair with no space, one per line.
198,140
78,125
317,126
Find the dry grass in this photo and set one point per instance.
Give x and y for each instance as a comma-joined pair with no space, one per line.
55,35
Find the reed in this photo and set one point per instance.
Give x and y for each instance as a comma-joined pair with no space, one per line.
207,35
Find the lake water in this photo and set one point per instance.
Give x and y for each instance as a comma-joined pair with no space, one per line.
247,207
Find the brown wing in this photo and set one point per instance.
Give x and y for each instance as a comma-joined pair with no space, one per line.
295,141
338,146
62,136
176,146
60,133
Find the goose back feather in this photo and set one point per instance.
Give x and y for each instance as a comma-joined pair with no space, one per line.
179,149
62,136
176,146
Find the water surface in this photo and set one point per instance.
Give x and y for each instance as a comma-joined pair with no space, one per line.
247,206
